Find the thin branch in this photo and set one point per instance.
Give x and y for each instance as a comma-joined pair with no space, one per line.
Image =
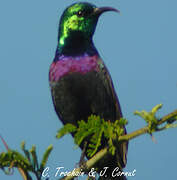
145,129
167,117
89,164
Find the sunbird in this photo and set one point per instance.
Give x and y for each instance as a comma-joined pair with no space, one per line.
79,80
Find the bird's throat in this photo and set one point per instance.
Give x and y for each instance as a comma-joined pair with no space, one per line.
75,44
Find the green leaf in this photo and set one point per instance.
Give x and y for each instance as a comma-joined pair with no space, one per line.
34,156
93,131
150,117
95,142
13,158
26,152
45,157
68,128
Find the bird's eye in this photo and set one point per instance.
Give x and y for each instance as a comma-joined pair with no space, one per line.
80,13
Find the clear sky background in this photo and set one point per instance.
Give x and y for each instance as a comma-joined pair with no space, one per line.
140,49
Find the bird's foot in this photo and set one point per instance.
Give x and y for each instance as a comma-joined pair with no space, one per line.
82,161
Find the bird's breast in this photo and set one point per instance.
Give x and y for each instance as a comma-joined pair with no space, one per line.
68,65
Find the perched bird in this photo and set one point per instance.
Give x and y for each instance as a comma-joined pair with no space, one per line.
80,82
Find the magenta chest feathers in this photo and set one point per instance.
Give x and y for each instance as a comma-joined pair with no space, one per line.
67,65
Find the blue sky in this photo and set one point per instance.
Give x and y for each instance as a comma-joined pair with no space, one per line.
139,49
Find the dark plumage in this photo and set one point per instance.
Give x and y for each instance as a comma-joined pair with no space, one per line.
80,82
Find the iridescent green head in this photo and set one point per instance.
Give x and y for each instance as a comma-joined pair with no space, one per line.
77,26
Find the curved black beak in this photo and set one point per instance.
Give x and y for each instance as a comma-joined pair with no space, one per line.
99,11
